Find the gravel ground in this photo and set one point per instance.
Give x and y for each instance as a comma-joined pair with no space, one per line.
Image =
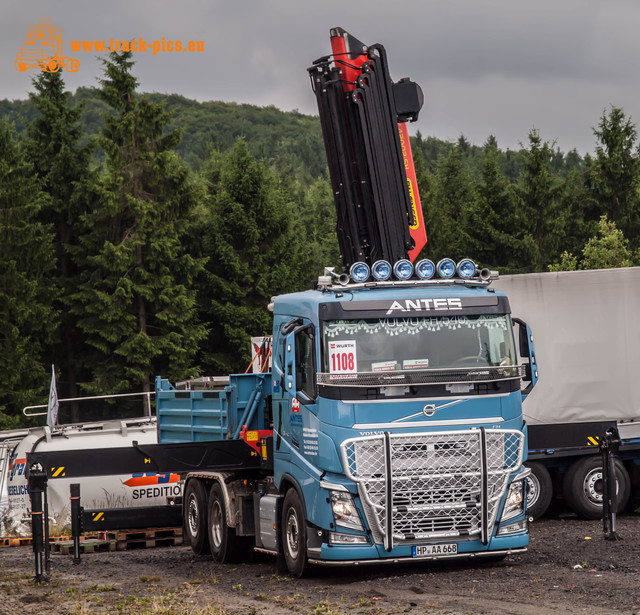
569,568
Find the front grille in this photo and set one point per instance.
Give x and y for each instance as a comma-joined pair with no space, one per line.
432,485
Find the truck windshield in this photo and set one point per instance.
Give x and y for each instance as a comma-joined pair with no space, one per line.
417,344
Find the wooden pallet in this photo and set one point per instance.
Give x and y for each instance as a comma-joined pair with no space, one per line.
86,546
122,539
145,539
15,541
20,541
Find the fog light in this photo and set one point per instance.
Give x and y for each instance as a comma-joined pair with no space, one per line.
347,539
513,528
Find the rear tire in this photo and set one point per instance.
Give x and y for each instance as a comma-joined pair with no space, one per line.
583,486
539,490
195,516
225,546
294,534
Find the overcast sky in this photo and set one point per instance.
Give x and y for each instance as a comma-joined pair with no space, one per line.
497,67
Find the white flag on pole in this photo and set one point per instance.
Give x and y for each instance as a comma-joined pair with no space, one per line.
52,409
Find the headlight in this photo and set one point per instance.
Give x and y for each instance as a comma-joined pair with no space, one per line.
344,510
514,505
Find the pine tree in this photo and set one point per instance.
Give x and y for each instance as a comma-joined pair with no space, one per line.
62,166
490,221
445,208
253,240
614,174
539,212
318,214
138,306
27,295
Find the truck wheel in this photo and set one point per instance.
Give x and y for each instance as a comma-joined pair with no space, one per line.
222,538
195,516
539,490
294,534
583,487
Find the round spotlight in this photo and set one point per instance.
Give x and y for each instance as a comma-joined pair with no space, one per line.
381,270
359,272
425,269
466,268
403,269
446,268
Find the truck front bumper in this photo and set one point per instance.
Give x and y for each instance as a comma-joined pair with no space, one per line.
336,555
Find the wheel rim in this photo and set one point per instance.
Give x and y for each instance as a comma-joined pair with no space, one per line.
193,516
293,534
593,486
533,493
216,523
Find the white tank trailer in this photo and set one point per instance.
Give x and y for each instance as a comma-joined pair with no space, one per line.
107,491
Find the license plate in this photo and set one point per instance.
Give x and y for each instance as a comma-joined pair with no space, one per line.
430,550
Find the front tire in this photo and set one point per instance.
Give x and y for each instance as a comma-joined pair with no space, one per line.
539,490
583,486
294,534
195,516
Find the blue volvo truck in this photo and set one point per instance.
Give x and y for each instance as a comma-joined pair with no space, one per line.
385,423
390,425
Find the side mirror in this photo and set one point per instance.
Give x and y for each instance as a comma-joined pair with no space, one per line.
527,353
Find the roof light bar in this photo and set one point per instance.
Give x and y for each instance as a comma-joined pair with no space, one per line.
404,271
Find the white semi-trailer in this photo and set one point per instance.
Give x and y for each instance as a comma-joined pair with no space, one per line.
587,336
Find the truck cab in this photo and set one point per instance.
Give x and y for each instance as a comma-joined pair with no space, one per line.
397,416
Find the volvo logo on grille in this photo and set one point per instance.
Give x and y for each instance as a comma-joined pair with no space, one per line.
429,410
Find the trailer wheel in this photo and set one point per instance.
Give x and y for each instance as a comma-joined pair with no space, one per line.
222,538
195,516
294,534
539,490
583,487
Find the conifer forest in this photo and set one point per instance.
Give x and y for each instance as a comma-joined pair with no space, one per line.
145,234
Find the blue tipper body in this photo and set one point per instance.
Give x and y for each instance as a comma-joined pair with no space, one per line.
203,415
